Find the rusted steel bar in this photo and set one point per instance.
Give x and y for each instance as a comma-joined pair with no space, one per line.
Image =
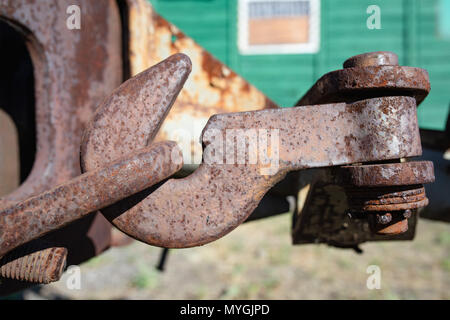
218,196
87,193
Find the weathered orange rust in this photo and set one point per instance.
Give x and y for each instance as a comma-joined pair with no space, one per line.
323,215
398,224
128,170
93,54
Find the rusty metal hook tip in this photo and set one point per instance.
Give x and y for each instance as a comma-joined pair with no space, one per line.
131,116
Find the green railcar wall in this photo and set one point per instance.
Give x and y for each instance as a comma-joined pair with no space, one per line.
417,30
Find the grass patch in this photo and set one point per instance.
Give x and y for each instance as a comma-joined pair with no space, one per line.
281,256
443,238
446,264
97,261
146,278
231,292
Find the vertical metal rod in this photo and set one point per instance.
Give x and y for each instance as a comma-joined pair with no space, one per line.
162,259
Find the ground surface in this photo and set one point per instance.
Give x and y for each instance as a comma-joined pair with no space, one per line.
257,261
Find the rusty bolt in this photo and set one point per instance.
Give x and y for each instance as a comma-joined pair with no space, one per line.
407,213
375,190
35,261
384,218
371,59
387,193
388,223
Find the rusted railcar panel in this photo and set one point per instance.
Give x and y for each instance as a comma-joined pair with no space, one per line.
74,69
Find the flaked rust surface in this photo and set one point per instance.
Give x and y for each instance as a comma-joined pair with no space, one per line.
390,195
398,224
335,134
87,193
352,84
129,119
388,191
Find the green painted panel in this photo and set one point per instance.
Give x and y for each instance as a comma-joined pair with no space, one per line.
433,55
444,18
414,29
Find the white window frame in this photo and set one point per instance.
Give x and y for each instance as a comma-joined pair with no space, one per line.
310,47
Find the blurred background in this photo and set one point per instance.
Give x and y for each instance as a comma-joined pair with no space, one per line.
257,260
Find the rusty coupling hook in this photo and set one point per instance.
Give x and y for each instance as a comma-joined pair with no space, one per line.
245,154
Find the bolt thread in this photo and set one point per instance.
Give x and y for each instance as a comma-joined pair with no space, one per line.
393,198
32,263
